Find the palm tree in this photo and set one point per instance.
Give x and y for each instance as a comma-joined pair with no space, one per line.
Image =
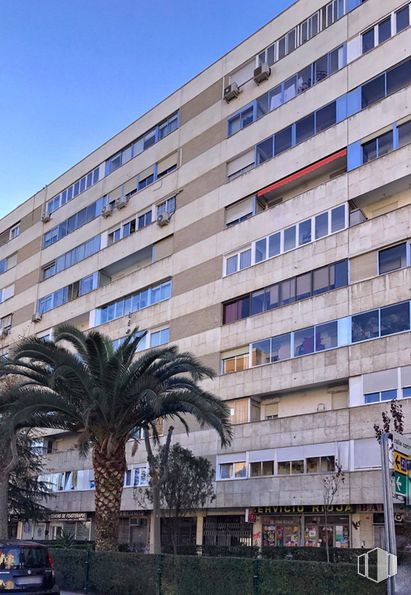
78,382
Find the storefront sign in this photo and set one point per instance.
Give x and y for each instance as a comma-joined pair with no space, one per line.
312,509
69,516
134,513
370,508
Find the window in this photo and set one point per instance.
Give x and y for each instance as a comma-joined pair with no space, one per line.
264,150
72,191
168,206
144,220
326,336
305,128
261,469
134,302
404,134
241,120
74,222
140,476
365,326
398,77
14,232
291,467
373,91
320,464
285,240
338,219
384,30
281,347
406,392
158,338
402,18
241,164
392,259
368,42
304,341
143,143
395,319
385,395
282,140
325,117
240,211
329,335
233,470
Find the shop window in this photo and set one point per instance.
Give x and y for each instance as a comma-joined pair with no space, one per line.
395,319
365,326
402,18
392,259
261,469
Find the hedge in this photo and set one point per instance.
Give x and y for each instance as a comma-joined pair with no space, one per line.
144,574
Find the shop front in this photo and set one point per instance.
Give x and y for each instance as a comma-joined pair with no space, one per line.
294,526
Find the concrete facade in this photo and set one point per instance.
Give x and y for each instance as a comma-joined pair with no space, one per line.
308,365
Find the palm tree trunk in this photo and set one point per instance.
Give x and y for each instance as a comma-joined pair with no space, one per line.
109,480
4,512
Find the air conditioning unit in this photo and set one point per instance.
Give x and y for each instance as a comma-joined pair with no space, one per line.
106,211
261,73
45,217
121,202
37,316
5,331
231,92
164,219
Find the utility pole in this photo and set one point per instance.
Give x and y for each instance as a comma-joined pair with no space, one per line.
389,525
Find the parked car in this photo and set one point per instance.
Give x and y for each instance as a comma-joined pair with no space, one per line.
26,567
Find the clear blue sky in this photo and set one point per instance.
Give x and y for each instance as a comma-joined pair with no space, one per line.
75,72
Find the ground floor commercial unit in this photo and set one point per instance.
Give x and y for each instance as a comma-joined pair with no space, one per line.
344,526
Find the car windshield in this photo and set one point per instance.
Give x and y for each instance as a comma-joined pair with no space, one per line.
15,557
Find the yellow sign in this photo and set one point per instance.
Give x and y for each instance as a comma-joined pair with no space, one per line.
401,462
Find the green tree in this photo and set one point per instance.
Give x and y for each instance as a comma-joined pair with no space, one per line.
21,492
186,484
79,383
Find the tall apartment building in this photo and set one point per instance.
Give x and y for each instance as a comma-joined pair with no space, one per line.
260,218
